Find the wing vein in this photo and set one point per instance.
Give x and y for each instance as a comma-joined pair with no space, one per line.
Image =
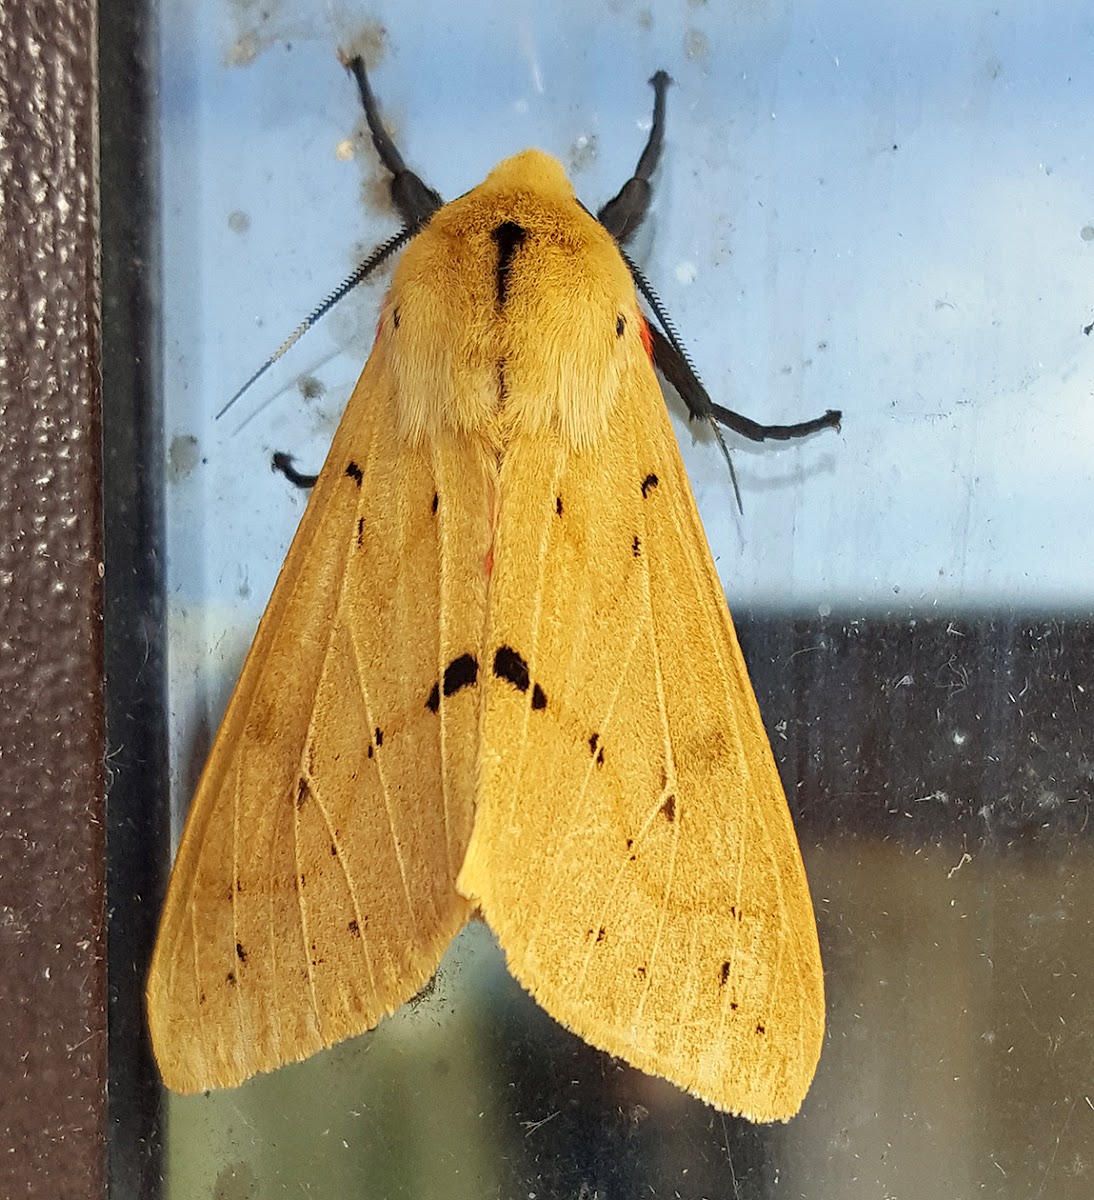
670,783
683,1023
651,815
546,911
276,978
385,789
443,587
238,989
302,906
541,558
716,619
197,973
350,887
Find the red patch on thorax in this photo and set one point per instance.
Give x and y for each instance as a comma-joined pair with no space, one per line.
646,336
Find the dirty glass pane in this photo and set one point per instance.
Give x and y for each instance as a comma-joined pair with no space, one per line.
885,209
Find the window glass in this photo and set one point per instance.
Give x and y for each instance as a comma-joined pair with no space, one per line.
884,210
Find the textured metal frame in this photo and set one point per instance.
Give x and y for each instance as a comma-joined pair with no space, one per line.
52,737
79,602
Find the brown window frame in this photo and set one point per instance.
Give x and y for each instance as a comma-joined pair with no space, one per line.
81,602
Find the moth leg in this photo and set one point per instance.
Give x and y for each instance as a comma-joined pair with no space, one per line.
678,371
415,201
284,463
622,215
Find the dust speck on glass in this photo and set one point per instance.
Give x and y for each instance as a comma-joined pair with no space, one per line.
883,211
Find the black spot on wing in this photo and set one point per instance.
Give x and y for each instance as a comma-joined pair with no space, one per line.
511,667
539,697
648,484
460,673
594,740
636,546
354,472
379,737
558,505
302,791
354,928
241,954
668,809
620,325
434,503
508,237
723,974
360,531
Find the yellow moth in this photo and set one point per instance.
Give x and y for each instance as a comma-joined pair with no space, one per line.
497,675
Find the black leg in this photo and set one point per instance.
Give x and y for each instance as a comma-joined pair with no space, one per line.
415,201
283,462
678,371
622,215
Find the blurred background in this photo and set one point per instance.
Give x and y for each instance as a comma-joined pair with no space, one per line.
887,210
